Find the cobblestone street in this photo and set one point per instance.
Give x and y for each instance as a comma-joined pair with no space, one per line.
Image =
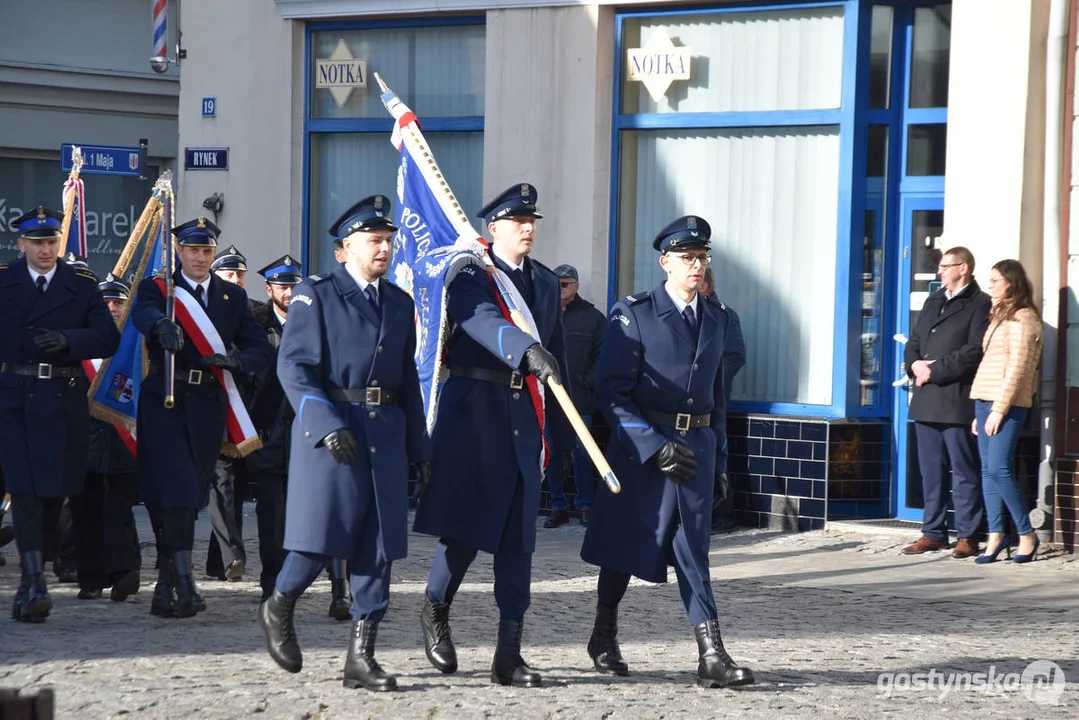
817,616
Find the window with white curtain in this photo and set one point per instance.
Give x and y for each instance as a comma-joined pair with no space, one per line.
770,193
771,196
438,71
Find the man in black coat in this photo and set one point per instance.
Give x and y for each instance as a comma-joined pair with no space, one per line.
584,326
51,319
941,358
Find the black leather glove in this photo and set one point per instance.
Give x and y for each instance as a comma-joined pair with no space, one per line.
342,446
169,335
421,475
224,362
50,341
676,462
541,363
565,464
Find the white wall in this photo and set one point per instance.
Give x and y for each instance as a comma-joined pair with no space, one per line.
562,147
250,59
994,191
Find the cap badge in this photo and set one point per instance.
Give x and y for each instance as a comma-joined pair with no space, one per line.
524,190
202,223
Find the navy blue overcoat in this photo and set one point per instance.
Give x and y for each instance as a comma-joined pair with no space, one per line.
45,424
335,340
650,362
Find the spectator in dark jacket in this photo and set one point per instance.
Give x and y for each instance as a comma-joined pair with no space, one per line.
584,326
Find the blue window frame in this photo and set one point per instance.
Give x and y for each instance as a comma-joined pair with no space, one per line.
321,129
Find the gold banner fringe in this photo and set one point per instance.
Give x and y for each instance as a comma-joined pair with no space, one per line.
242,450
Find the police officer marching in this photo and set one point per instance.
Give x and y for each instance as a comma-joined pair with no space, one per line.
660,386
484,491
346,364
178,446
51,319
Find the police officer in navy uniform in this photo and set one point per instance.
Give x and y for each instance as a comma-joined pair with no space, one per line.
226,558
660,386
272,415
51,319
107,542
347,365
485,487
178,446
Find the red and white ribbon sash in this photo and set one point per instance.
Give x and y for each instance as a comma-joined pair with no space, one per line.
76,185
91,367
197,324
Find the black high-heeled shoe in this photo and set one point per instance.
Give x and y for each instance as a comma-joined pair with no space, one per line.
992,557
1028,557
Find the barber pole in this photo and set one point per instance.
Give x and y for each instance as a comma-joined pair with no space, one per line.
160,27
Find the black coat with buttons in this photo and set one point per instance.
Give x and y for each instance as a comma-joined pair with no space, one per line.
44,424
949,333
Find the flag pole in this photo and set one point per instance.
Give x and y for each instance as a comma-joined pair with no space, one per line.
407,124
69,201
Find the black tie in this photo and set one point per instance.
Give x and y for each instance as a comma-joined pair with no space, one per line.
691,319
372,295
200,294
40,284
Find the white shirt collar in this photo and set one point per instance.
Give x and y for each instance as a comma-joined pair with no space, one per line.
360,282
280,318
949,295
681,304
512,265
34,275
205,284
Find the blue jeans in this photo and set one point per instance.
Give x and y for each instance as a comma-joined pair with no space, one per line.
582,476
999,486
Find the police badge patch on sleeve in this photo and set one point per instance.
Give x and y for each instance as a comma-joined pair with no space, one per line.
302,298
620,317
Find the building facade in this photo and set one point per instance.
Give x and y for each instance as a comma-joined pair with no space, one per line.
836,148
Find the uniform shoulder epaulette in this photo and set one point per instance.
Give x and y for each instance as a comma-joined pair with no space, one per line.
319,278
638,298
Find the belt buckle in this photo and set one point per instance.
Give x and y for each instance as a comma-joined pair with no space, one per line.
372,396
194,377
681,421
517,380
44,371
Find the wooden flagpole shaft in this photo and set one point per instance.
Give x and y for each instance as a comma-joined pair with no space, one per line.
122,263
69,202
574,417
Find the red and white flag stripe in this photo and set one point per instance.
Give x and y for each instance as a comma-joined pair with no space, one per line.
91,367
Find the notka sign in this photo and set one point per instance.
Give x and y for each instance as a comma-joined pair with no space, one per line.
206,158
658,64
340,73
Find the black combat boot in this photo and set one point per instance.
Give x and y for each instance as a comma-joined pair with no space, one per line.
341,599
716,668
437,641
32,601
603,645
361,668
188,601
509,668
275,617
163,603
125,586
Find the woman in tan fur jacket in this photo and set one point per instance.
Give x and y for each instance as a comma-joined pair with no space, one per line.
1003,394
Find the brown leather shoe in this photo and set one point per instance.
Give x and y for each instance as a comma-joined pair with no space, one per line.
558,518
924,545
966,547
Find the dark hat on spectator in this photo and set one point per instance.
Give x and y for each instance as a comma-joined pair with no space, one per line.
567,271
688,231
197,233
39,223
114,289
516,201
371,213
283,271
229,259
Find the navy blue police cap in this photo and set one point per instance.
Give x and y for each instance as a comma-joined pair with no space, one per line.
76,262
229,259
516,201
113,288
688,231
371,213
39,223
199,232
283,271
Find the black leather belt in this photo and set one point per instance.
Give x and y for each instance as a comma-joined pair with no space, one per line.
372,396
679,421
512,378
42,371
191,376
